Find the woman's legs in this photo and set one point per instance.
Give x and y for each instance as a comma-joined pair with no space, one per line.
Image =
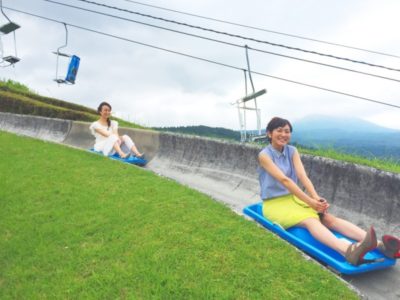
112,142
130,145
354,253
324,235
136,151
344,227
390,248
117,148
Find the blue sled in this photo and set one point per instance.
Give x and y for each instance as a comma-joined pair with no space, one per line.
303,240
130,159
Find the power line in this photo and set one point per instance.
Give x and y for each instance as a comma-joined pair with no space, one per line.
228,43
237,36
206,60
264,30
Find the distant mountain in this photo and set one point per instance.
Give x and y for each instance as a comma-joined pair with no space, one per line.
317,122
349,135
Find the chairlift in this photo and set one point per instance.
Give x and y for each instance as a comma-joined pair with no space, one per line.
242,107
73,65
4,30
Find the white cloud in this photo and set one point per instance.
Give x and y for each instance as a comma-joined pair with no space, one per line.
157,88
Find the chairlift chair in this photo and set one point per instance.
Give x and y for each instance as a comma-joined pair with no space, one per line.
6,29
242,108
72,71
11,59
9,27
241,104
73,65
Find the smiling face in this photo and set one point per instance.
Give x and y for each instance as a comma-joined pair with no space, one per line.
280,137
105,111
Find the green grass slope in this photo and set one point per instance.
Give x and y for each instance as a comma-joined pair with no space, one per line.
388,165
75,225
19,99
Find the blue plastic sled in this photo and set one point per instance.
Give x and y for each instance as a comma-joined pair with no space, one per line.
303,240
130,159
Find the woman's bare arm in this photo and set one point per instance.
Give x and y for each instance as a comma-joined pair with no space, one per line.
305,180
302,175
103,132
267,163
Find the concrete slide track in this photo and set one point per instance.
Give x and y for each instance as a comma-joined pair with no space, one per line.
227,172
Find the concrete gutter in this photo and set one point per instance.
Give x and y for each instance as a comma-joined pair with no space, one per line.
227,172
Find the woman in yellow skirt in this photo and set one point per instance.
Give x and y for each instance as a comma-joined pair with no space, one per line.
285,202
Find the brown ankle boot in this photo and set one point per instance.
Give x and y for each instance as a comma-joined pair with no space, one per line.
390,246
356,251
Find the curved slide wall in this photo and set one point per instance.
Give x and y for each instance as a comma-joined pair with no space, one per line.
227,172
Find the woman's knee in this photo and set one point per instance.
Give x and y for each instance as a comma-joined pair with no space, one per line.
114,138
329,220
126,138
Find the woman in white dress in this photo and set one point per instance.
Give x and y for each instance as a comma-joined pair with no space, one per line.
108,140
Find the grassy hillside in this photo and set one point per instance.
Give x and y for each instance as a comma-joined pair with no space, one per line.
388,165
100,229
19,99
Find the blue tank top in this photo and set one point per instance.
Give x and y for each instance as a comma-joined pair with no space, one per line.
269,186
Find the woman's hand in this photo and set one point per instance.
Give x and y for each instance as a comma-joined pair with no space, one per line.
323,205
320,205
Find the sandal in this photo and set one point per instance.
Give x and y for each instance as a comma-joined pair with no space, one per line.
356,251
125,155
390,246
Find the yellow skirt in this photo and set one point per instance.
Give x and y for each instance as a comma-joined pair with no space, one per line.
287,210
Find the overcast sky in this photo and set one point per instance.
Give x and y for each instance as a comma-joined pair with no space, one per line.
157,88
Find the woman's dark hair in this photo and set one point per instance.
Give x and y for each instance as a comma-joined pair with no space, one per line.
277,122
101,107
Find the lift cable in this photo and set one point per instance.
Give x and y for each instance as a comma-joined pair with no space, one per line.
263,29
229,43
208,60
235,35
